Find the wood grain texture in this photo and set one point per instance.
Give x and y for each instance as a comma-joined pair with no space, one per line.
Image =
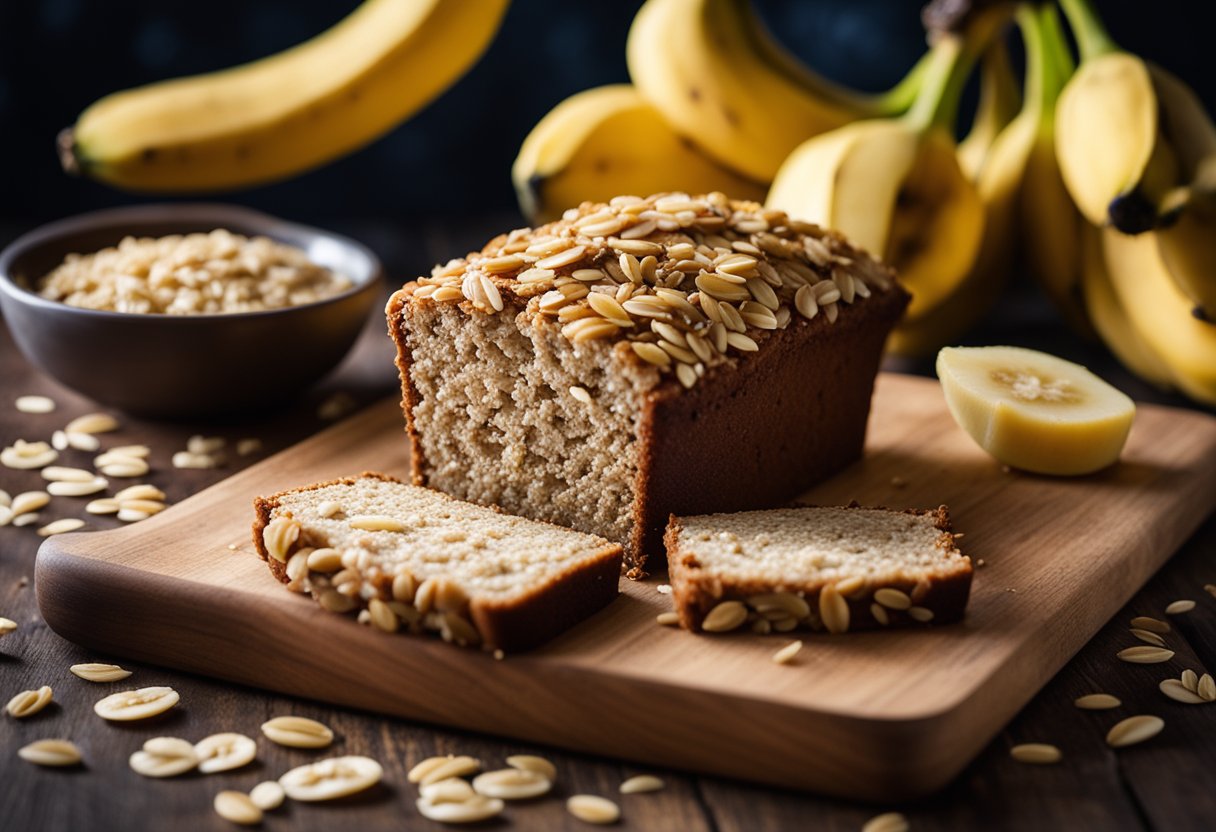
876,715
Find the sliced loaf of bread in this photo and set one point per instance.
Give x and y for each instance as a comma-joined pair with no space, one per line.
833,569
409,558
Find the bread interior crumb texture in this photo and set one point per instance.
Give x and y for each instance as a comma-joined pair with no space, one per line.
489,554
800,544
498,425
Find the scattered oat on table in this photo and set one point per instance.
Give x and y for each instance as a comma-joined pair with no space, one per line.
164,757
297,732
54,753
512,784
267,795
1145,655
886,822
331,778
787,653
136,704
1179,607
1036,753
530,762
1133,730
591,808
1097,702
224,752
29,702
237,807
642,783
92,423
1155,625
35,404
66,524
96,672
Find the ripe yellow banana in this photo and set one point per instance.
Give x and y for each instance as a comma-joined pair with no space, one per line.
1160,313
1000,100
609,141
1000,183
1108,317
1187,243
1127,132
719,78
287,113
894,186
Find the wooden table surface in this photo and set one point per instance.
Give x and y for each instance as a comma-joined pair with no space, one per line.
1168,783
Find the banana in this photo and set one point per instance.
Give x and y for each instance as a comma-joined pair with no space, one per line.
1050,224
1187,244
1160,313
1035,411
719,78
286,113
1000,100
894,186
1109,319
609,141
1128,132
1020,186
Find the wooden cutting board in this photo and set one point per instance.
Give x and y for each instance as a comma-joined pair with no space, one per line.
883,715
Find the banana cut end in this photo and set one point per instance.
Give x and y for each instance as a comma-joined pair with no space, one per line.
1133,213
65,143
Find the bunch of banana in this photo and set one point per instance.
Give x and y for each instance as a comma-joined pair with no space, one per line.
1138,155
720,111
895,185
720,79
1015,186
609,141
287,113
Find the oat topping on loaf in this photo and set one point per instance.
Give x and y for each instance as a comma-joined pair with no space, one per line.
833,569
687,281
414,559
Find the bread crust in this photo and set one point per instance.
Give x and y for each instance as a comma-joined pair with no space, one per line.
945,591
521,623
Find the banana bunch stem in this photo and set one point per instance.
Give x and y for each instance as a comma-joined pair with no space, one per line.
1092,38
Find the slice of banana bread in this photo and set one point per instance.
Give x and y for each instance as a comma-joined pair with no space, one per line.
834,569
414,559
642,357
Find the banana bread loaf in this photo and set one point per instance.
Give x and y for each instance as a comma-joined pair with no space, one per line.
639,358
414,559
834,569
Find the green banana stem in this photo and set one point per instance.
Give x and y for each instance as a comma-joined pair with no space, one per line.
947,69
1053,32
937,102
1037,68
1092,37
900,97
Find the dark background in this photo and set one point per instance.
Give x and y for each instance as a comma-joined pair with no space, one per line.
453,158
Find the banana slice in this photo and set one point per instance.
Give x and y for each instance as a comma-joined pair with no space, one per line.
1034,411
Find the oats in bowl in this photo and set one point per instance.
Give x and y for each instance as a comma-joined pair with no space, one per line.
192,274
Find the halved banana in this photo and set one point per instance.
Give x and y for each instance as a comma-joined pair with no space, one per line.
1034,411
